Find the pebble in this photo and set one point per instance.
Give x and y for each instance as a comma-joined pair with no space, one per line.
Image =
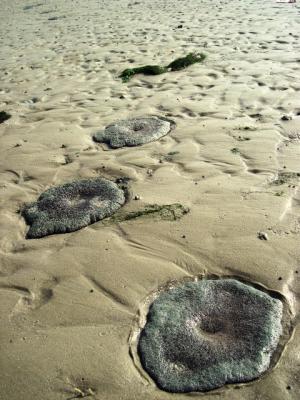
137,197
262,236
286,118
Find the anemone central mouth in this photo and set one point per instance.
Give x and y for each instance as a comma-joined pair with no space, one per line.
75,200
202,334
211,327
138,127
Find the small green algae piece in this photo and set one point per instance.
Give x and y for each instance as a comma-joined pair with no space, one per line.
183,62
128,73
4,116
168,212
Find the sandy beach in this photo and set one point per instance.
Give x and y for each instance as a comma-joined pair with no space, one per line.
69,303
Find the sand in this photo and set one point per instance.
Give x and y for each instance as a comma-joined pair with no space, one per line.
68,303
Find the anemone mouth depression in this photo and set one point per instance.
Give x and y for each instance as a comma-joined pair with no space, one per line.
201,335
135,131
72,206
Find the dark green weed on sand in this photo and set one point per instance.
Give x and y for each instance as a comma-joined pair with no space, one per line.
4,116
128,73
204,334
184,62
176,65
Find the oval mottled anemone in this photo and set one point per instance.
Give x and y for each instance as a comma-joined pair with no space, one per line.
135,131
72,206
202,335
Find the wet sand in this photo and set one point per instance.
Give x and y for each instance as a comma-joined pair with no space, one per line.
69,302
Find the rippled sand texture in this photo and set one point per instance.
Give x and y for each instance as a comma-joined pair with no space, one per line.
68,302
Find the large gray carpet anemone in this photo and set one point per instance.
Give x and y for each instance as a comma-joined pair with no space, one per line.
135,131
203,334
72,206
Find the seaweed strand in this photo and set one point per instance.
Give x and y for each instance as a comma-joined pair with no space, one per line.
176,65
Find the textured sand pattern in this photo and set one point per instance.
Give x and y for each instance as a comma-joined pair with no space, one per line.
68,302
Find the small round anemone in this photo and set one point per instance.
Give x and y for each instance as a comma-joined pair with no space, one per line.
202,335
72,206
135,131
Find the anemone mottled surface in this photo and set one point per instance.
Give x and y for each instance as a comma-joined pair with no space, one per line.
72,206
201,335
135,131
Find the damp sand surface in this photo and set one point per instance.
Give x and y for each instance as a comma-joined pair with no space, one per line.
68,302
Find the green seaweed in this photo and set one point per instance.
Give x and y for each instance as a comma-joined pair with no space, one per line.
168,212
176,65
128,73
183,62
4,116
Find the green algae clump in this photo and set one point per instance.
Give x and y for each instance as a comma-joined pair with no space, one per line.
184,62
128,73
176,65
201,335
4,116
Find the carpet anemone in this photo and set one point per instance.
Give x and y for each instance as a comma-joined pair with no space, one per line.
72,206
203,334
135,131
